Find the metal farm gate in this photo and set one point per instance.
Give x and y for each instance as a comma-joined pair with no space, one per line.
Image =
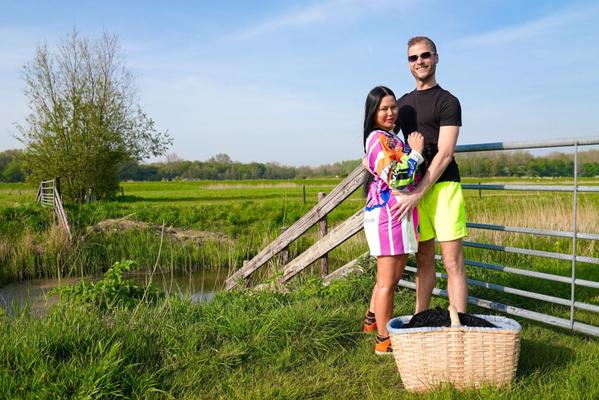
48,195
353,225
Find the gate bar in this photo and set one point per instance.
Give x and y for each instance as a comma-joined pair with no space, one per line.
539,253
522,293
533,231
520,312
525,272
533,144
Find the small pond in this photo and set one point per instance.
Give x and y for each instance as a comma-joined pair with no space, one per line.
198,285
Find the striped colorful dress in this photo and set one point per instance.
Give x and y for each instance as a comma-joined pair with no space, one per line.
394,168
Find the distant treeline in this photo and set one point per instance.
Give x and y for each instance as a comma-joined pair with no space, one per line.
522,163
221,167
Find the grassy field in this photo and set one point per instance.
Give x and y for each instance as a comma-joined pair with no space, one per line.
244,215
304,344
240,217
231,221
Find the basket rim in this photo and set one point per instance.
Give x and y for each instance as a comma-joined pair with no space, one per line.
503,324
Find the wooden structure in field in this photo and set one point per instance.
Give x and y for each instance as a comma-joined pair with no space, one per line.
48,195
330,241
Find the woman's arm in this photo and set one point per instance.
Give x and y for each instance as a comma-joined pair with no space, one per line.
395,168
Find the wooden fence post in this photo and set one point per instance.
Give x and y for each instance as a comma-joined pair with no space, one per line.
322,232
284,254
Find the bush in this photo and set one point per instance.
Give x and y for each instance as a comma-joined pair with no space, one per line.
111,291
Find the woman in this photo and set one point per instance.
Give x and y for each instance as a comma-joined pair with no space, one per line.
393,165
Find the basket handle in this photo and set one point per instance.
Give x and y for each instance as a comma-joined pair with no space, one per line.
455,319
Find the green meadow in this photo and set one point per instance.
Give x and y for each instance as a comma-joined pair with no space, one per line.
233,220
298,345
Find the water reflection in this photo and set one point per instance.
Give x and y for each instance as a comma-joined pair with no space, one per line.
198,285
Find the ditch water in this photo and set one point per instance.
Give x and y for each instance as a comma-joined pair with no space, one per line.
198,286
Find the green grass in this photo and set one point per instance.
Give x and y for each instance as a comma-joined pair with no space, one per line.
249,214
304,344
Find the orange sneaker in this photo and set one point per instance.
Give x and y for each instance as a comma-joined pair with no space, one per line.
382,346
369,326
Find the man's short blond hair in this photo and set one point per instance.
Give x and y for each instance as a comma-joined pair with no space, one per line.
421,39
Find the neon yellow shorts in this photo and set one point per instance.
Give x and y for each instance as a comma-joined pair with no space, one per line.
441,213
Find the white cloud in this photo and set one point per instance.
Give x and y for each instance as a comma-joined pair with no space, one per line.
532,28
319,12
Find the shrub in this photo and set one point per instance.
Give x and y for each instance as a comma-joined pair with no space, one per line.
111,291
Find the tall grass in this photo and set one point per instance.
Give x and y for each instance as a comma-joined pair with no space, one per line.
547,211
249,217
244,219
304,344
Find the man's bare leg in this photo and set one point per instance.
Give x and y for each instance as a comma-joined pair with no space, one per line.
452,253
425,274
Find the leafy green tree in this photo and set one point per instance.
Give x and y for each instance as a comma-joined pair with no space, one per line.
590,169
12,166
14,171
85,122
7,156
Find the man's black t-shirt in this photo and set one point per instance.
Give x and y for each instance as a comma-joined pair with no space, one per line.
426,111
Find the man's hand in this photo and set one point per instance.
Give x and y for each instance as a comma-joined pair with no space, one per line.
405,203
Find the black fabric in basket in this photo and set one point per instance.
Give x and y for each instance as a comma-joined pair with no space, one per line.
438,317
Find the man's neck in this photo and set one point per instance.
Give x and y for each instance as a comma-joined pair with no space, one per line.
427,84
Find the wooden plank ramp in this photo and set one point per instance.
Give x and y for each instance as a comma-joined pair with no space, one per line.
334,238
351,268
341,192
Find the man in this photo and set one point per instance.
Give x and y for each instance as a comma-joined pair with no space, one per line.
436,114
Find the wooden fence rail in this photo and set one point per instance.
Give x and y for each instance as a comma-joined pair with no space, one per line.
334,238
341,192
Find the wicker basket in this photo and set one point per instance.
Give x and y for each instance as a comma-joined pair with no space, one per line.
460,355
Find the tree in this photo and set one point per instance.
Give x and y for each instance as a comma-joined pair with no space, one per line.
12,166
221,158
173,158
85,123
590,169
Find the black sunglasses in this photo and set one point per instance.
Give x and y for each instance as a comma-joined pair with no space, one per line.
425,56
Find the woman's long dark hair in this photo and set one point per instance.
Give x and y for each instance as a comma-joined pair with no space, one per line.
373,101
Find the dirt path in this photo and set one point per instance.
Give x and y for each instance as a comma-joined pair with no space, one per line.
179,234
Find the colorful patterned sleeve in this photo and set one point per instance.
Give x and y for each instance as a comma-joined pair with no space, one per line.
396,168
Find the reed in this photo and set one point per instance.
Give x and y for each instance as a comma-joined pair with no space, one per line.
242,220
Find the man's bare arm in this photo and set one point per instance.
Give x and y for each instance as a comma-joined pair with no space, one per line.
448,137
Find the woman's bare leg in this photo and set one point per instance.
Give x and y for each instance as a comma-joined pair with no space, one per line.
389,271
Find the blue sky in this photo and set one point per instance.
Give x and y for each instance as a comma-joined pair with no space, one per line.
286,81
